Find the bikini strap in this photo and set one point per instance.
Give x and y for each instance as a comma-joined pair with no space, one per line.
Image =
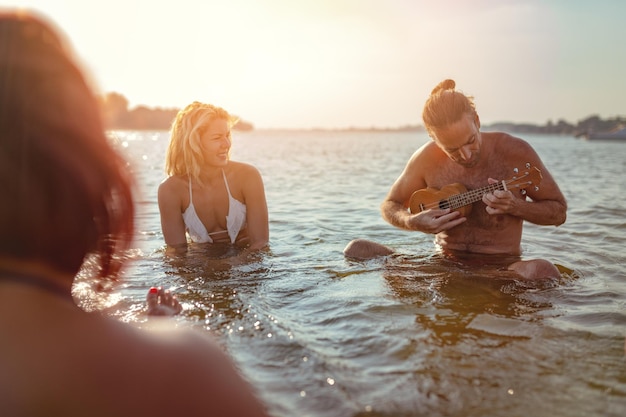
226,183
34,281
190,193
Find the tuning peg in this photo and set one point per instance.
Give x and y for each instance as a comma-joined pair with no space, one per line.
515,170
523,192
527,164
536,188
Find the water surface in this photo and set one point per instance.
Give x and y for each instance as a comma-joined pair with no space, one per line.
412,335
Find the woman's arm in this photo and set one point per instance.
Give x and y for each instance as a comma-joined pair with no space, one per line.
257,218
172,224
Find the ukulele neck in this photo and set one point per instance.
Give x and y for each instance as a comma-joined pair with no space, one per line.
469,197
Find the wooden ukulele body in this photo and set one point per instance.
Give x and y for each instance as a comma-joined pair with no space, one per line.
438,198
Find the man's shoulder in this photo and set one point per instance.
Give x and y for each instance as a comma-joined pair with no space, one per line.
428,150
501,136
503,141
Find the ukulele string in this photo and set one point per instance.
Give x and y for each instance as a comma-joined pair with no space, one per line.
459,200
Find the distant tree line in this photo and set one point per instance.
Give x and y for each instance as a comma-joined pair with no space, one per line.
118,116
591,124
582,128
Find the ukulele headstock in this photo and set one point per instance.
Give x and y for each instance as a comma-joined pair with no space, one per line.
530,176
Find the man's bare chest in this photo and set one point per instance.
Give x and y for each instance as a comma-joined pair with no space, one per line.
470,178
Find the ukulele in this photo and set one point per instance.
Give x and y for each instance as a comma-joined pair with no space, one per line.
457,197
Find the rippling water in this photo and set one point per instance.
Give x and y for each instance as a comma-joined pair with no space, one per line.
412,335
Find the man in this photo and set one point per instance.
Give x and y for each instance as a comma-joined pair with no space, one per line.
460,153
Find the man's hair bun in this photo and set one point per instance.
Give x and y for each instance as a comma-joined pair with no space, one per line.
444,85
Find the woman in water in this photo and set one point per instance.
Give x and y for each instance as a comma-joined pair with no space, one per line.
207,196
66,207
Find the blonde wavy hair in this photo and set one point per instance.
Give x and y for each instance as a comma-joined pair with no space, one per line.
184,153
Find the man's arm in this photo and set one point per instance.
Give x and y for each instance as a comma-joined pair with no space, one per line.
394,208
547,205
544,212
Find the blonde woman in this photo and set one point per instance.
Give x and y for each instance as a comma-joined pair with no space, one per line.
207,197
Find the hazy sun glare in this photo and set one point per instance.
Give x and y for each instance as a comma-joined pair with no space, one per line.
338,63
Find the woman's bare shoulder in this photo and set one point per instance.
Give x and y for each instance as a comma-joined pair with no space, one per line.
181,362
160,340
174,181
241,166
174,185
243,169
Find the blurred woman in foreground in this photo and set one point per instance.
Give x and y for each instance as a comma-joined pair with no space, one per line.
67,199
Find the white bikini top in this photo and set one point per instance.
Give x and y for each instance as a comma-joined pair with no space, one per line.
235,220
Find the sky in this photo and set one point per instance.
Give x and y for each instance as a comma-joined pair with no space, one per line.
352,63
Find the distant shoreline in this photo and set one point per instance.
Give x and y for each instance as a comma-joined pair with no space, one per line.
501,127
118,116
